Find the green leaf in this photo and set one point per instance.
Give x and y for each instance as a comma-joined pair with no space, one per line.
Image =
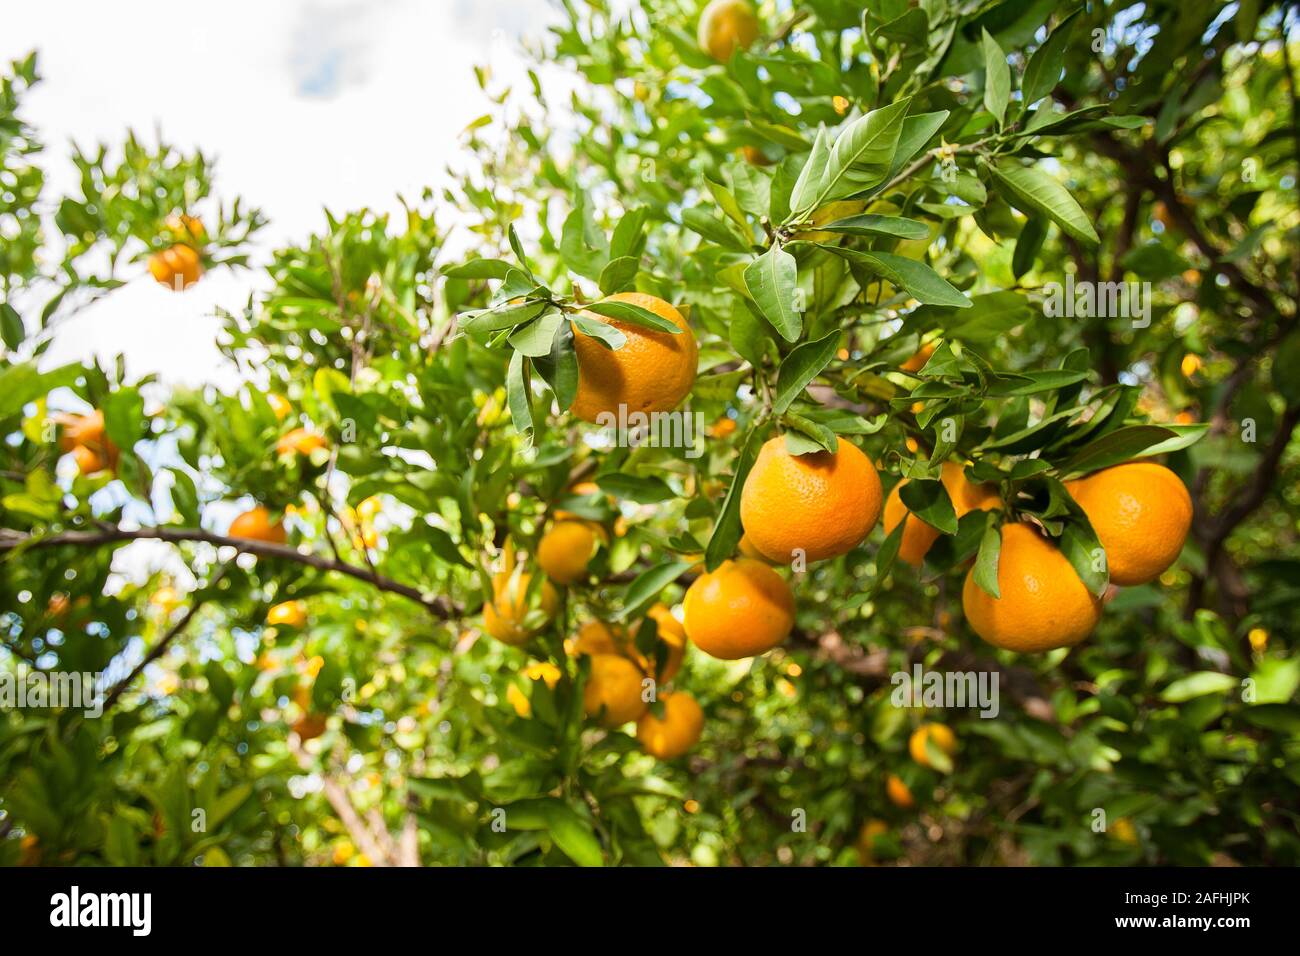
479,269
876,225
1198,685
1043,71
518,394
1033,191
12,331
928,500
986,561
727,531
997,78
633,315
1117,447
642,489
443,546
858,160
1028,245
604,333
800,367
619,275
771,280
583,246
535,338
645,589
916,278
573,834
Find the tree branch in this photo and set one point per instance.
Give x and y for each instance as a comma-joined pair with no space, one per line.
439,607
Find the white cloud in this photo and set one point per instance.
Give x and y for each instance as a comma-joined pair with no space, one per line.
305,105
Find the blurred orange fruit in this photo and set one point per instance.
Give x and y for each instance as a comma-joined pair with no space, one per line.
725,26
677,732
255,525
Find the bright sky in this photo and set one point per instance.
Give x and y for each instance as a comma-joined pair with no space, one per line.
304,103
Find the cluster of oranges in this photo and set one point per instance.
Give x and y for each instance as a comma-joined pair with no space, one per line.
85,438
180,265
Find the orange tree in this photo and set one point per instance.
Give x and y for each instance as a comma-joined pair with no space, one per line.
427,591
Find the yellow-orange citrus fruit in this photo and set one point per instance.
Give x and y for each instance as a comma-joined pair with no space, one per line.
519,701
255,525
723,427
919,358
671,632
677,732
1043,604
1124,831
866,841
613,690
565,550
831,212
725,26
940,734
821,503
919,536
543,671
742,609
747,550
900,795
185,228
652,372
1141,512
597,637
504,615
88,460
85,429
309,726
288,614
279,405
755,156
177,267
301,441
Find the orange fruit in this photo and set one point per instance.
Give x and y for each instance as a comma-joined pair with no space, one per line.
866,841
821,503
85,429
177,267
309,726
1043,604
652,372
725,26
723,427
831,212
919,536
900,795
504,615
185,228
1141,512
747,550
88,461
677,732
918,360
940,734
255,525
301,441
742,609
755,156
671,632
279,405
565,550
597,637
544,671
288,614
613,690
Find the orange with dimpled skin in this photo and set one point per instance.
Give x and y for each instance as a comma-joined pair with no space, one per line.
742,609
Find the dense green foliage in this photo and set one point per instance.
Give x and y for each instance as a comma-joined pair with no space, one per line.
997,147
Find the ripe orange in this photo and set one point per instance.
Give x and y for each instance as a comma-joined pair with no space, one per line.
301,441
565,550
613,690
652,372
597,637
185,228
940,734
821,503
288,614
755,156
504,615
1141,512
919,536
177,267
918,360
85,429
88,460
1043,605
900,795
866,841
831,212
742,609
309,726
677,732
725,26
747,550
279,405
255,525
672,633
